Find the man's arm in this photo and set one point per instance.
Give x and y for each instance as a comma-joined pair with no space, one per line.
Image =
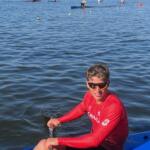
95,138
75,113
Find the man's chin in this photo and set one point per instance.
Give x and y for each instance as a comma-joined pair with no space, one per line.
98,98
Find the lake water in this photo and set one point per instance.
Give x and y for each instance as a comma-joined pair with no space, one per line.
45,49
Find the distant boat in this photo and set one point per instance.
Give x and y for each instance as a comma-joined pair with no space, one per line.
35,0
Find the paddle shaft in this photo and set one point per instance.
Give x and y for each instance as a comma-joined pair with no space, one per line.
51,134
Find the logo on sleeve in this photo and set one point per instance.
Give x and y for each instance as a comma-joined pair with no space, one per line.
105,122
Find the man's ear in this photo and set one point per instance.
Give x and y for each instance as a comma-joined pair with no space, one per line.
87,85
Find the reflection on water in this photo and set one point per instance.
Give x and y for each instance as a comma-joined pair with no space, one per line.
44,52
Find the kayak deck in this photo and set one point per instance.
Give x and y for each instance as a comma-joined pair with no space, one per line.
135,141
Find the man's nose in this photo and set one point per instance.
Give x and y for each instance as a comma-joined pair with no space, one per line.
97,88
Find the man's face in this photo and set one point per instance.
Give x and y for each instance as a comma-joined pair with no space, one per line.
98,88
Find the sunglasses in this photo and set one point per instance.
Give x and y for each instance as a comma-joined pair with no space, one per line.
94,85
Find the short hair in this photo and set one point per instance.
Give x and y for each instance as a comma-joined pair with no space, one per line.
100,70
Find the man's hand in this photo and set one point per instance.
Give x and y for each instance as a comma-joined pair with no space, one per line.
52,123
41,145
46,144
51,141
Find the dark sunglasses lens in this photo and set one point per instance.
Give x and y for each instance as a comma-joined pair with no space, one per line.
100,85
92,85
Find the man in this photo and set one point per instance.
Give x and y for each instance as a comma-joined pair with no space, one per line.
122,2
106,112
99,1
83,3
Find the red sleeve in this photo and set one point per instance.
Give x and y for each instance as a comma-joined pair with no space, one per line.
108,122
76,112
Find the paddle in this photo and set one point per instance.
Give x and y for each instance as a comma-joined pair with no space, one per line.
50,130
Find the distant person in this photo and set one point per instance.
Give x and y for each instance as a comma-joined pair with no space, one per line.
83,3
35,0
99,1
106,112
140,5
52,0
122,2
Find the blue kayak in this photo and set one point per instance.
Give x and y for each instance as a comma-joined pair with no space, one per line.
104,6
80,7
136,141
